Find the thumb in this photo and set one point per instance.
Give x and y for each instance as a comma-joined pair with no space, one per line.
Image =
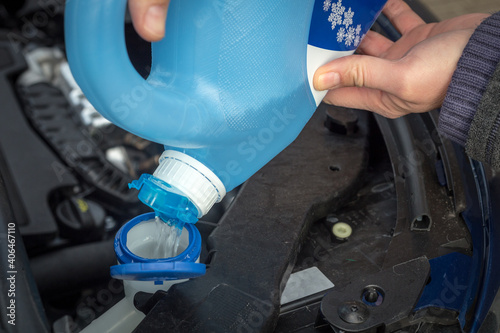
359,71
148,17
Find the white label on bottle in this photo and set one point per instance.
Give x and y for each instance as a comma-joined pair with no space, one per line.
317,57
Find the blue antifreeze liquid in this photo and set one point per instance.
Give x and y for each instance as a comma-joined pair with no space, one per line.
167,237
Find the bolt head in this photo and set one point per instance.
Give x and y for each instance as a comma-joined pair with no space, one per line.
353,312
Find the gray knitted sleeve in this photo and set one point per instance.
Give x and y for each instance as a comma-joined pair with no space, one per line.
483,142
470,111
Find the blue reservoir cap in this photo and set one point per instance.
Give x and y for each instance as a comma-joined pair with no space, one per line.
134,267
166,201
155,271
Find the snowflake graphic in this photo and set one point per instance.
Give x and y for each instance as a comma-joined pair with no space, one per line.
347,31
357,40
336,15
349,36
335,19
338,8
326,5
348,17
341,35
358,29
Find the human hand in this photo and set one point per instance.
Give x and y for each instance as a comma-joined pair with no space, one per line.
148,17
397,78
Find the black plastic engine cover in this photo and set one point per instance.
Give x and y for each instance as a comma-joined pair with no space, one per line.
255,245
30,169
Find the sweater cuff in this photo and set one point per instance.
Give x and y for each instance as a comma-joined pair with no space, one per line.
469,81
483,143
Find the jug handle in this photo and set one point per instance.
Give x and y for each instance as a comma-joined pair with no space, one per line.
98,59
96,51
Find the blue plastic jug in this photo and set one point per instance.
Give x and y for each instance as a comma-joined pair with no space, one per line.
230,85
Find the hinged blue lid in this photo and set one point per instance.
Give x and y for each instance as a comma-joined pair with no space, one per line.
157,271
164,199
134,267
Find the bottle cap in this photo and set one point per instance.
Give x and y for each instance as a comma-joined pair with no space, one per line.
166,201
181,187
191,178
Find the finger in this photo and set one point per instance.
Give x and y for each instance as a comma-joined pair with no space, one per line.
469,21
360,71
365,99
402,16
374,44
148,17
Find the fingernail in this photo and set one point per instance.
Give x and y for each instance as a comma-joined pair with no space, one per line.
329,80
154,20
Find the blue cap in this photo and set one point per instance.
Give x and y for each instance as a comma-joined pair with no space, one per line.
166,201
133,267
158,271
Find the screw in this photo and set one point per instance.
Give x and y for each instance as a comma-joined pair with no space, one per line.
373,296
353,312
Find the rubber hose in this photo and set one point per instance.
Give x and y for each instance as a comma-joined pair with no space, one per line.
73,268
